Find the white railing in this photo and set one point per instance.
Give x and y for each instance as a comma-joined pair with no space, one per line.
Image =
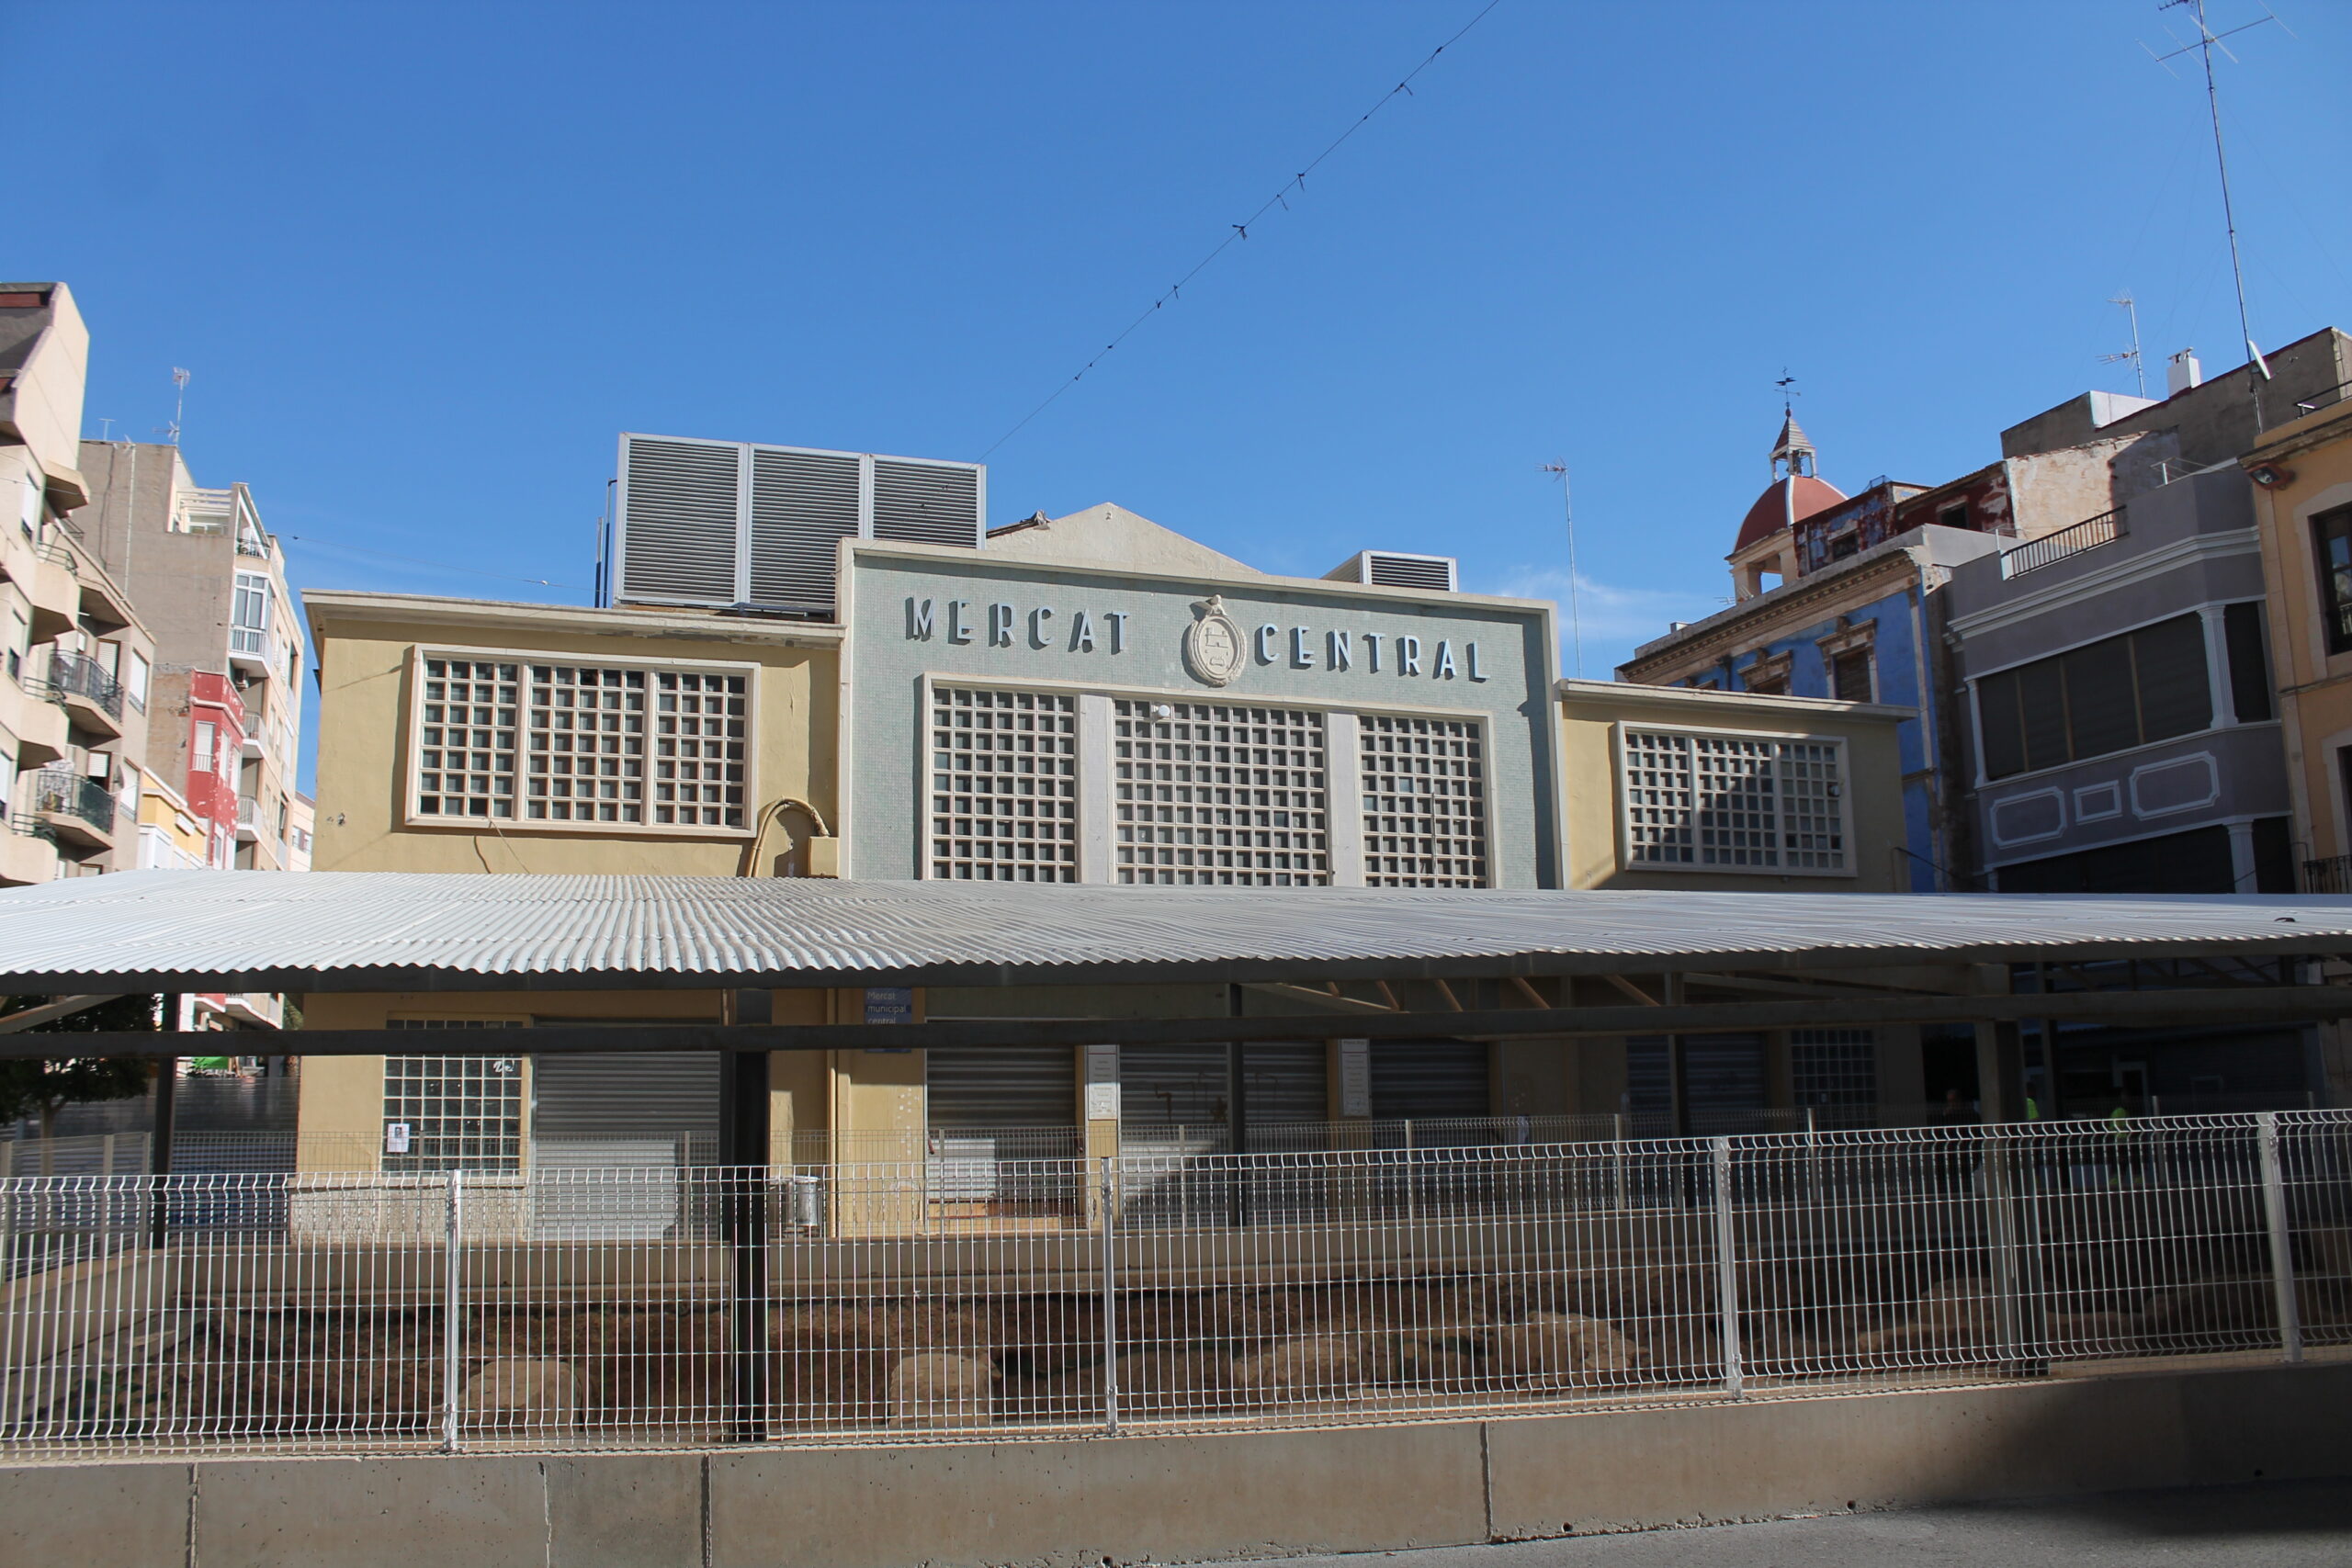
665,1304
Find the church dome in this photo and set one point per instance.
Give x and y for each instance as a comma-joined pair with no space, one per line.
1783,502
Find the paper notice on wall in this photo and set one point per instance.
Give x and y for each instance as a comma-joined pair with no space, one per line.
1102,1083
1355,1078
396,1137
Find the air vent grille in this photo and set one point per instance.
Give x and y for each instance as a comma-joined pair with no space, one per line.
682,507
926,503
722,524
1409,571
803,504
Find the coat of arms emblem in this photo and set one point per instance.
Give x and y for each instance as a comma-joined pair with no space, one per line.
1213,649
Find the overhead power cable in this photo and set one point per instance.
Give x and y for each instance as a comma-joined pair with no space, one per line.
1236,232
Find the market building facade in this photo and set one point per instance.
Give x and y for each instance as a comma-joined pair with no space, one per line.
1088,700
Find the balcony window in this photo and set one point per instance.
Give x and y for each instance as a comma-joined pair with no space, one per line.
208,740
2105,697
249,618
2332,536
135,683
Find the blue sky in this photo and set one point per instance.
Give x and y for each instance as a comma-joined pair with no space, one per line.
426,261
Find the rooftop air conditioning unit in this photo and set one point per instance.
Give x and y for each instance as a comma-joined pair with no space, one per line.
1393,569
726,523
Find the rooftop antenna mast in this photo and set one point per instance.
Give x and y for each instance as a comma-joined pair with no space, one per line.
2207,40
2139,368
179,404
1568,511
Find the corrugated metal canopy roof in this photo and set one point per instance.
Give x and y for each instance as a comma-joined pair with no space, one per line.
198,930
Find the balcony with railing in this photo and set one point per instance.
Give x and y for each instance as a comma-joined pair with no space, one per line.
2333,874
2063,544
87,691
75,809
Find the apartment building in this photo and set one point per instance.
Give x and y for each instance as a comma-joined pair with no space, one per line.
76,663
230,651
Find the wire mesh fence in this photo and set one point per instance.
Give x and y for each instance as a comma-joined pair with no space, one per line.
1163,1287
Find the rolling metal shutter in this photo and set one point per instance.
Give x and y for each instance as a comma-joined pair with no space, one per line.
927,503
976,1088
678,505
629,1094
1167,1085
1429,1079
803,505
1725,1074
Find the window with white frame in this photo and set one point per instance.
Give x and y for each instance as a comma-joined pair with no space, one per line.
135,680
1424,801
507,740
207,741
1003,785
249,614
452,1112
1216,793
1727,802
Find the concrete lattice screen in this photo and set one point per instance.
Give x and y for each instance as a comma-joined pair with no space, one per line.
1169,1291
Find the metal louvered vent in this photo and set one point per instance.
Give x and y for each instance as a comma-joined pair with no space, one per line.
679,503
926,503
803,504
1393,568
729,525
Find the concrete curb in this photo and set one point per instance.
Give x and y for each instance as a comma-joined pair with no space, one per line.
1089,1501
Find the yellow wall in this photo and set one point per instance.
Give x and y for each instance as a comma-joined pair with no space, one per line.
2315,686
364,645
1590,711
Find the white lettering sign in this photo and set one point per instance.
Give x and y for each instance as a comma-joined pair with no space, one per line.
1213,655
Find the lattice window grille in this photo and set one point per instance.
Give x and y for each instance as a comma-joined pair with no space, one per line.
1733,803
462,1112
466,740
561,744
1424,802
1218,794
1004,785
1832,1066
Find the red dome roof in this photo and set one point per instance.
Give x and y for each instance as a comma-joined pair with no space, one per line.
1785,501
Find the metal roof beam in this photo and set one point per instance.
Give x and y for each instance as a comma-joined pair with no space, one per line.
2284,1004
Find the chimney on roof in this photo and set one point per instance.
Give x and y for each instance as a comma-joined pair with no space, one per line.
2182,372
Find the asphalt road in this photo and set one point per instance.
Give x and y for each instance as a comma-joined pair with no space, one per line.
2272,1525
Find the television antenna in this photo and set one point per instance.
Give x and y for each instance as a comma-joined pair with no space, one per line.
2207,40
2139,369
1568,511
179,404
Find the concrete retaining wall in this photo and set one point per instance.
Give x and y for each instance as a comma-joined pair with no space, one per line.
1170,1500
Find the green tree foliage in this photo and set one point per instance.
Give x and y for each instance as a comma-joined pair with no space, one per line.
47,1086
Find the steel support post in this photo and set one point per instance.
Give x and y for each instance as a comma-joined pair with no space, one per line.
453,1310
2282,1251
1727,1272
1110,1195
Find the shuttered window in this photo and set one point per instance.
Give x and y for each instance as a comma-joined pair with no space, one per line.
1429,1079
1724,1075
2107,696
980,1087
1189,1086
653,1096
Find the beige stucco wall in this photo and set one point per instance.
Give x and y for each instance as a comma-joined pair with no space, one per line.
365,644
1590,711
2315,686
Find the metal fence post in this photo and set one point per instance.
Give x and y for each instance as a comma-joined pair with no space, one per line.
452,1333
2282,1255
2002,1246
1110,1296
1617,1136
1727,1272
1812,1156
